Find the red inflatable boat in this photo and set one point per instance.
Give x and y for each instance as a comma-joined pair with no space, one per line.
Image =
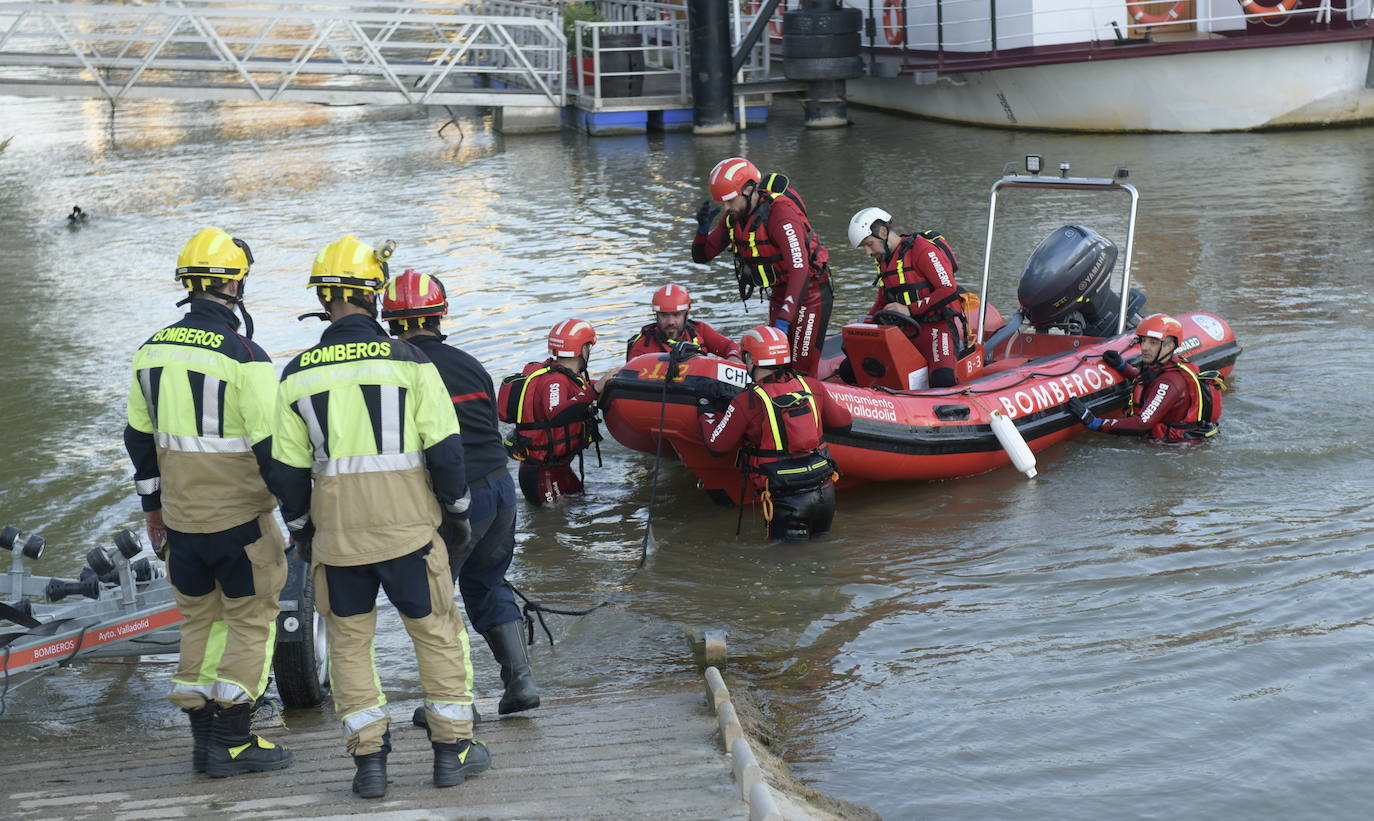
1024,369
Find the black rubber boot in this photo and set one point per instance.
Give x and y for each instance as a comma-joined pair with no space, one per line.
235,750
507,643
455,762
202,721
370,779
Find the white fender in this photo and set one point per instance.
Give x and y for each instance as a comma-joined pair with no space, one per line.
1014,444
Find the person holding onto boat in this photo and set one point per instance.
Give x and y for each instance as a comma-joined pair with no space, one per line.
778,425
671,305
775,249
1171,400
201,407
370,463
414,305
916,279
552,405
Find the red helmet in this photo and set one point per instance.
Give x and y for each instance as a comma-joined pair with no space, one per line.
670,299
767,346
730,176
1159,327
567,337
411,296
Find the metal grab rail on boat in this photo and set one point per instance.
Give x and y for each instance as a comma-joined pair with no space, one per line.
1062,183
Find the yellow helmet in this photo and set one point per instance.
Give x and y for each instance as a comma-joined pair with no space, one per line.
350,265
212,255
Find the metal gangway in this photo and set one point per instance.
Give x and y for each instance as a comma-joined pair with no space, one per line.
319,51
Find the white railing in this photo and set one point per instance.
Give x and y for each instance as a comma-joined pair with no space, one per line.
664,56
320,51
968,25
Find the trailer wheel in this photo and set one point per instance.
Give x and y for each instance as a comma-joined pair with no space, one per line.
302,667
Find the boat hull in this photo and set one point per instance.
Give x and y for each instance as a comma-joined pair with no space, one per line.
1242,89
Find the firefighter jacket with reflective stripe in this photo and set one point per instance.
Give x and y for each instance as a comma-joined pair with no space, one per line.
200,416
651,340
1166,403
473,395
367,418
775,247
780,417
920,275
554,411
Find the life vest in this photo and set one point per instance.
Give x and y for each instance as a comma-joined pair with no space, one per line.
906,284
790,458
756,253
653,337
1204,404
536,442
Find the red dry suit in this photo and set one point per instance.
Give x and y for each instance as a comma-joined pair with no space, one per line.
776,249
778,426
920,275
651,340
1172,404
554,413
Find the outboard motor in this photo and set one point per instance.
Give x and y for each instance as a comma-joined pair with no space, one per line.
1066,284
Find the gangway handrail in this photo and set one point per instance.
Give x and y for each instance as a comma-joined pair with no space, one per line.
401,41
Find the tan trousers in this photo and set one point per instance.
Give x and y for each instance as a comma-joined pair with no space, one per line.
440,640
227,639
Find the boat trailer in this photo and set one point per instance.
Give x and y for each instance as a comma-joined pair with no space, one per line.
122,605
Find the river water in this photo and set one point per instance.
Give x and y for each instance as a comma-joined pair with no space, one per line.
1142,631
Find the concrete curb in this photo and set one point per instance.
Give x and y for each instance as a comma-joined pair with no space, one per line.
748,775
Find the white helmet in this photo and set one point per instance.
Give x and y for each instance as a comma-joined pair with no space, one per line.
861,225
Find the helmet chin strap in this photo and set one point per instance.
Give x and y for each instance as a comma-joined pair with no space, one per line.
235,302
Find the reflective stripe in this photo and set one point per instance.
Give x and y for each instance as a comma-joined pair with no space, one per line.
205,691
203,444
210,422
450,710
297,524
147,487
312,424
461,506
356,721
232,693
369,463
391,418
145,382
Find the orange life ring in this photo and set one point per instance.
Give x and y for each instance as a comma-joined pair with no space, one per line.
1282,7
894,22
1144,18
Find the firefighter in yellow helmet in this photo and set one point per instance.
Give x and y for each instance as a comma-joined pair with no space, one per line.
200,414
371,463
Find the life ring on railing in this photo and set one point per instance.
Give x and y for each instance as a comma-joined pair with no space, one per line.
1260,10
751,8
894,21
1144,18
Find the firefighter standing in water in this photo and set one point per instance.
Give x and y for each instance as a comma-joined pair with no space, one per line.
671,305
777,425
200,412
553,407
371,461
414,305
1171,400
916,279
775,248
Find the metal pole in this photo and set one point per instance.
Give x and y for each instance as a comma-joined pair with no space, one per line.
992,22
708,23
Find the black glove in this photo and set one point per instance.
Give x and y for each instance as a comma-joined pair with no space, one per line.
706,217
683,350
462,532
705,405
1079,408
1114,359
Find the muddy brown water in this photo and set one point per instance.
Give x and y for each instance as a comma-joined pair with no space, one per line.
1141,631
